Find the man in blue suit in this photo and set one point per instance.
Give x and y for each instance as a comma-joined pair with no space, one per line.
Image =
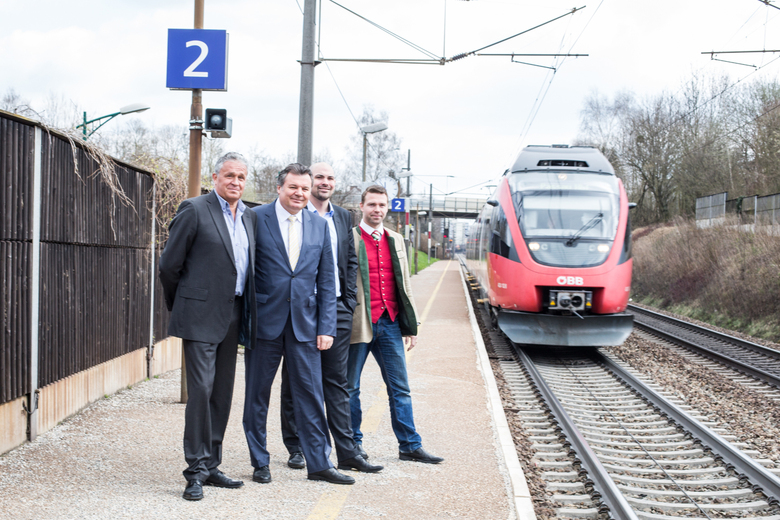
295,291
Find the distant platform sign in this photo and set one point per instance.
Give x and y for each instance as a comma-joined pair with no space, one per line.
398,205
197,59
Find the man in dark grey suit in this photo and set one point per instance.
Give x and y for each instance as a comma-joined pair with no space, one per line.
206,273
334,360
296,301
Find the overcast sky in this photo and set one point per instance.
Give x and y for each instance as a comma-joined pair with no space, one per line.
467,119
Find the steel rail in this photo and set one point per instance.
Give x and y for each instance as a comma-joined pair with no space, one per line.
759,476
729,361
709,332
609,494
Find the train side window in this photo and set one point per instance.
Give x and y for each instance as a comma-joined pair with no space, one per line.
625,254
501,237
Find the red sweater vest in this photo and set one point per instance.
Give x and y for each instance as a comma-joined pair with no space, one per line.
381,276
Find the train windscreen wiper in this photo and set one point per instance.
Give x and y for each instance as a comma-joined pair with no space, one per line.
592,222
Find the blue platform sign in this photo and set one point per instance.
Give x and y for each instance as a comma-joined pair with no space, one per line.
398,205
197,58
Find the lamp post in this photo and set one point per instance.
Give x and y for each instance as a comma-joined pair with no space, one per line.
370,129
129,109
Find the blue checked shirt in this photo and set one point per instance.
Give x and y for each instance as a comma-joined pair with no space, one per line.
239,240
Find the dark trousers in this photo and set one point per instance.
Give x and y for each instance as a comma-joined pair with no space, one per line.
211,372
334,386
305,375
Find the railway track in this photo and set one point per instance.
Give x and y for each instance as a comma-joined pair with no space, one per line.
760,364
627,451
609,444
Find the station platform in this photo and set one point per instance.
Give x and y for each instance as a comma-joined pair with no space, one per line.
122,456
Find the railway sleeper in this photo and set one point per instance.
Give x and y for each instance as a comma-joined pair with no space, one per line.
607,437
652,516
653,445
756,505
585,513
700,462
714,494
719,483
689,473
663,455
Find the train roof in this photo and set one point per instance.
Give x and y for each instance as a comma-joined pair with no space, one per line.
562,157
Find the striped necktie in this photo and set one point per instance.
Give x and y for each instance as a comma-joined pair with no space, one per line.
376,235
293,242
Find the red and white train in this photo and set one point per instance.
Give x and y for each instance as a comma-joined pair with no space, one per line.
552,249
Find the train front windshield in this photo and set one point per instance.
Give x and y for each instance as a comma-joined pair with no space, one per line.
567,219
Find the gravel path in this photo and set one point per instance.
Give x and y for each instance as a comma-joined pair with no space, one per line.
121,457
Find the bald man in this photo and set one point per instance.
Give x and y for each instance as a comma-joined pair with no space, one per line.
334,360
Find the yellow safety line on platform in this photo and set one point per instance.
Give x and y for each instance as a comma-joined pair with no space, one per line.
330,503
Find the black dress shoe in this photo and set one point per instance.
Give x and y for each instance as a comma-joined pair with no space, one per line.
332,476
296,460
194,490
362,452
219,479
262,475
359,463
419,455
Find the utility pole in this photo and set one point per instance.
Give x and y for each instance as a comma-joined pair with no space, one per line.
430,220
306,106
193,180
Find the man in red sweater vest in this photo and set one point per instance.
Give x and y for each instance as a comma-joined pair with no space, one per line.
385,314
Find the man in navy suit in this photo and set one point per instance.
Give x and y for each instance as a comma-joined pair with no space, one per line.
295,294
334,360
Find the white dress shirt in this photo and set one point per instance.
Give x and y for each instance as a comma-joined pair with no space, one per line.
368,229
334,241
282,215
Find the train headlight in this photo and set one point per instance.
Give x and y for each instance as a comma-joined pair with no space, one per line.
533,246
603,248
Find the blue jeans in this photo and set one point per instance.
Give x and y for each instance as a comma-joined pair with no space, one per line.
387,348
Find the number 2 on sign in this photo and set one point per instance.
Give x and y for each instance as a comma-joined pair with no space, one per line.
190,72
397,204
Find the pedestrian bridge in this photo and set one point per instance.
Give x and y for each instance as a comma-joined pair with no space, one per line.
440,205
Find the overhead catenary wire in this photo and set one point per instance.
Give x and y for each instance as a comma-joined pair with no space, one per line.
389,32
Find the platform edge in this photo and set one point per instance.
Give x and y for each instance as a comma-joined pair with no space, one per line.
519,486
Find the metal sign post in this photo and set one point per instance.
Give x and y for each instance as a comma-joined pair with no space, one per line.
197,61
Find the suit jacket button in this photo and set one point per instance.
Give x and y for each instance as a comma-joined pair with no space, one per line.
288,299
230,301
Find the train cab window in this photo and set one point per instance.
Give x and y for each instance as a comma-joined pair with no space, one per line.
567,220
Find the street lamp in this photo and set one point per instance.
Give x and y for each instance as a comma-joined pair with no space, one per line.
370,129
129,109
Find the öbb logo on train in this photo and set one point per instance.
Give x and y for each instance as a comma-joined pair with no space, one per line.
570,280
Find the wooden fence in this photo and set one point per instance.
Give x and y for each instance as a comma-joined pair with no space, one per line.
80,300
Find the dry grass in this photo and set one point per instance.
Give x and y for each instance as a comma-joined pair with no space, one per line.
725,275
